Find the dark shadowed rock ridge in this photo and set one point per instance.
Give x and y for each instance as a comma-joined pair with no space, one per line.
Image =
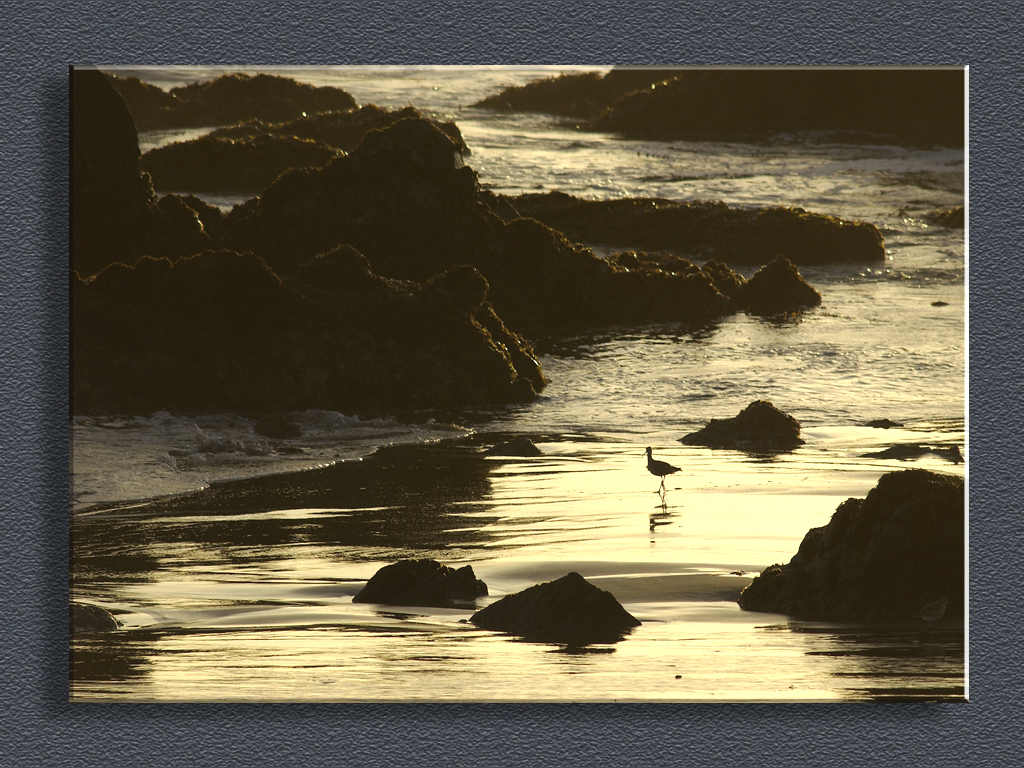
758,428
199,329
879,559
227,99
248,156
568,610
115,214
423,583
405,200
220,165
706,230
342,130
584,94
908,107
222,331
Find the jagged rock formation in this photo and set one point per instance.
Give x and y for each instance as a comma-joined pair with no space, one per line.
222,331
879,559
406,201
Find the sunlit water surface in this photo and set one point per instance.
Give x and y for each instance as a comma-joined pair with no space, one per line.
234,589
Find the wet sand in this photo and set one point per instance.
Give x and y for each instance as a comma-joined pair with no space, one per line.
244,590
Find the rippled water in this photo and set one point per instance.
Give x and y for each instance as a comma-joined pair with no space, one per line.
242,589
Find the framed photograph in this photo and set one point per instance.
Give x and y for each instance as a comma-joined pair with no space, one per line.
518,384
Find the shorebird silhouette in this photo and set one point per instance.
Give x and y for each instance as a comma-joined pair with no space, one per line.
933,611
659,469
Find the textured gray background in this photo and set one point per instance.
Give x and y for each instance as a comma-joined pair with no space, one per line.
39,727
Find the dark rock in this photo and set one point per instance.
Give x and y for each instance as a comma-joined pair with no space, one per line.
940,303
229,99
905,452
462,288
883,424
519,446
151,107
727,282
231,165
221,331
906,107
702,230
422,582
342,130
404,199
210,216
277,427
115,215
759,428
776,288
247,157
584,94
952,218
83,617
569,610
879,559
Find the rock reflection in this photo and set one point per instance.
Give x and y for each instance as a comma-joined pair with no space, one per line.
925,664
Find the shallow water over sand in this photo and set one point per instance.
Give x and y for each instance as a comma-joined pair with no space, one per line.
232,558
244,591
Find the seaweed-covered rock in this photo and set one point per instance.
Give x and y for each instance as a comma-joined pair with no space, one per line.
85,617
422,582
584,94
231,165
702,230
229,99
759,428
879,559
248,156
115,215
405,200
777,287
907,107
222,331
951,218
343,130
569,610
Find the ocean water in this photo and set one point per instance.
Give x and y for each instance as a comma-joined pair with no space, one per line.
231,559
